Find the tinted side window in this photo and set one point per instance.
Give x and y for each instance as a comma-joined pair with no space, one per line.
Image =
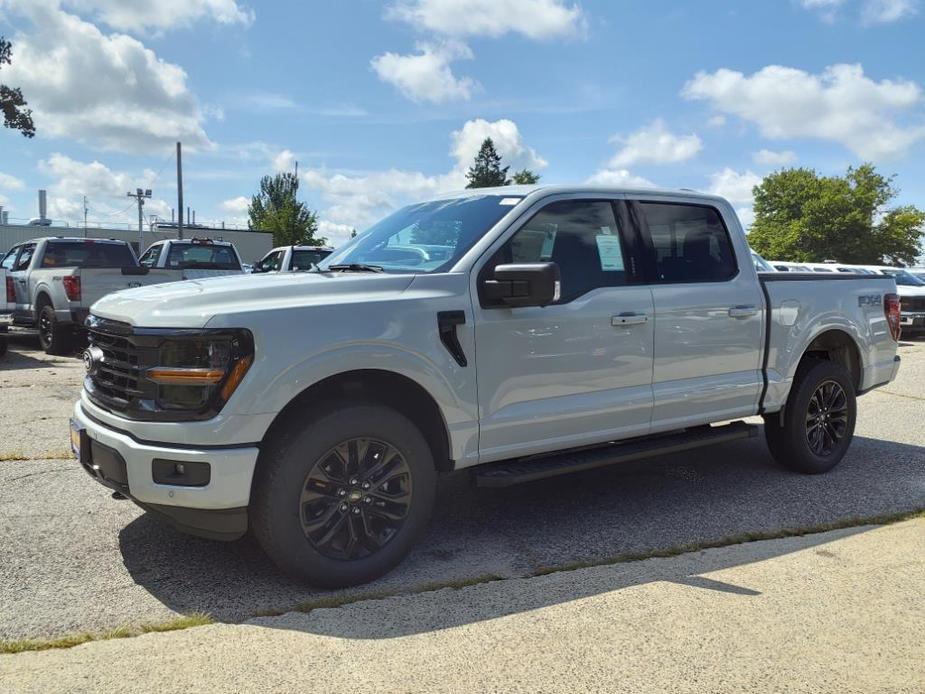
24,257
582,237
9,258
690,242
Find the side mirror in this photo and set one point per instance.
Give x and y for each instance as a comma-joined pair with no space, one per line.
523,284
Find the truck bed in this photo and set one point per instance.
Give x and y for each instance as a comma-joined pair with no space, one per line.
797,315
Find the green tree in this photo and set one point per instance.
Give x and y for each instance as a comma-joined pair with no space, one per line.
801,216
12,103
486,171
277,210
525,177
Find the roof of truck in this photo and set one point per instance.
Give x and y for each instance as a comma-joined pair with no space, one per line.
550,189
72,238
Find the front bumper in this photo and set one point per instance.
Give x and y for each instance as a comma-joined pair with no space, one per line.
912,322
217,509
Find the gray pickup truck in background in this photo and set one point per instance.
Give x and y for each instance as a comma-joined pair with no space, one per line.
52,282
518,332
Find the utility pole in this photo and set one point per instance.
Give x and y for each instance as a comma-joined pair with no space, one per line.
180,190
140,196
86,209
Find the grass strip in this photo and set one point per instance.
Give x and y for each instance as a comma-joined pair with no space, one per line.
197,619
732,540
59,454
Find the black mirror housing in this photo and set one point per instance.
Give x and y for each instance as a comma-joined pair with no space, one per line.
523,284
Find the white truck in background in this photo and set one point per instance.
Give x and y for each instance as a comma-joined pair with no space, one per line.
195,258
292,259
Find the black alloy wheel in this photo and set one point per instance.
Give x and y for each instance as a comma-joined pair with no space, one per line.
826,418
355,498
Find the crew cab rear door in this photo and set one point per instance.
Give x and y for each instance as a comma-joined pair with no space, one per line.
708,314
578,371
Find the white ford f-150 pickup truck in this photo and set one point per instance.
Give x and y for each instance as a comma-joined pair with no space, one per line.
521,332
52,282
195,258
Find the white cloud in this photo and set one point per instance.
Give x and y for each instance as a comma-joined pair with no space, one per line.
887,11
768,157
737,187
717,121
105,188
357,200
336,234
427,75
618,178
827,9
8,182
535,19
284,161
507,139
108,91
236,206
841,104
139,16
654,144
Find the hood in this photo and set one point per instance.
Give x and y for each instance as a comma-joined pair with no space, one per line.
192,303
906,290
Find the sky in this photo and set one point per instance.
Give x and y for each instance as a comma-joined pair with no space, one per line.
383,103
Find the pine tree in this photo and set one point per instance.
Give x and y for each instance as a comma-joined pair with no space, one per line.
525,177
486,171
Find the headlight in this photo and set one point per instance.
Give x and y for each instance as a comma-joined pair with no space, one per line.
200,370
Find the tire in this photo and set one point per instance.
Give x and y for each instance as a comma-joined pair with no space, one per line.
295,504
3,343
54,337
818,422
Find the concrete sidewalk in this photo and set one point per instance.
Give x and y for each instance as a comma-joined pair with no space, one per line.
835,612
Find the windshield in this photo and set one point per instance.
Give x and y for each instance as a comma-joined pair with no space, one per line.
426,237
87,254
905,279
202,257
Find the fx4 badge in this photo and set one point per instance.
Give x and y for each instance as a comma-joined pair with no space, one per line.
870,300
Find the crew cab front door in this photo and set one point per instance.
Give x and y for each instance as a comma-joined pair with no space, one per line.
578,371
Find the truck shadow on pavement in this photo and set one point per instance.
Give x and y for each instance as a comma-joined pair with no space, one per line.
700,498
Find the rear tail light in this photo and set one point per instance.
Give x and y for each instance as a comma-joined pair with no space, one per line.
891,310
10,291
72,287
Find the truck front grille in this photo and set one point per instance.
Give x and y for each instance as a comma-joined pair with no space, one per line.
912,303
114,380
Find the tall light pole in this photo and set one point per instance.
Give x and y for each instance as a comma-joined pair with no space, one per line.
180,190
140,196
86,209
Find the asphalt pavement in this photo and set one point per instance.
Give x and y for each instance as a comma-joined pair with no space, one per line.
834,612
73,559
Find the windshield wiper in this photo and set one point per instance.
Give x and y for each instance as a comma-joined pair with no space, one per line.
354,267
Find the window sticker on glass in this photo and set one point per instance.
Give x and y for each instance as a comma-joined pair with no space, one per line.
610,252
509,201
